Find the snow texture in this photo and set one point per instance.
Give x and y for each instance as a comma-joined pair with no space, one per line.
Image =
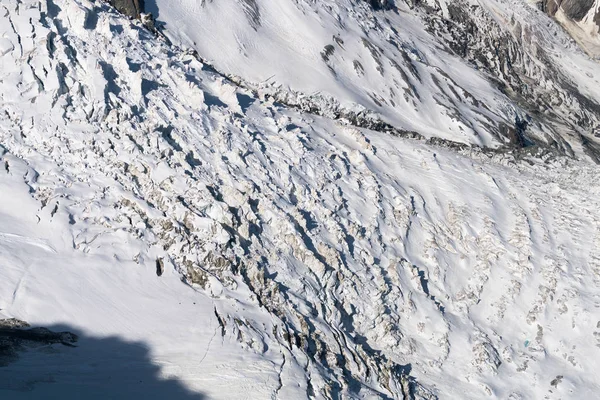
491,73
202,238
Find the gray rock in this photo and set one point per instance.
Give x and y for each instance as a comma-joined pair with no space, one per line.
131,8
381,4
577,9
512,65
574,9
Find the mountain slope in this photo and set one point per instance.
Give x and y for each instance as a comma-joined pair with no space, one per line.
581,18
492,73
319,259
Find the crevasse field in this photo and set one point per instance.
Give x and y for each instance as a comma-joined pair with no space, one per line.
230,209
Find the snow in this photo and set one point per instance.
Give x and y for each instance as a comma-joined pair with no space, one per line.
141,334
401,65
303,257
370,65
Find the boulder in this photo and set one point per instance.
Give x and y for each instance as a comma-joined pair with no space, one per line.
131,8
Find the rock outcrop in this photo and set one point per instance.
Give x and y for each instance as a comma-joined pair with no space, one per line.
581,18
574,9
131,8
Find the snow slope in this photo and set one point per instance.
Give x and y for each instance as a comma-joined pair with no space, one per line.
298,256
470,71
120,308
341,49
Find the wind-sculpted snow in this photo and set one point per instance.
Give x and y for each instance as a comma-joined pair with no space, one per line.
493,73
328,260
344,51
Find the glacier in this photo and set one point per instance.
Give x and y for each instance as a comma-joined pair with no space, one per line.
218,205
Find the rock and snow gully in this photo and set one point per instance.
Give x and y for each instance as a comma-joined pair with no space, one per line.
261,243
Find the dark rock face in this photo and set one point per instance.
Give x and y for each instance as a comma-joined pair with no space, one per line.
574,9
131,8
550,6
381,4
577,9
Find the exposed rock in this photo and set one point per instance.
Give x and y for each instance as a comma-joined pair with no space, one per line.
160,266
305,219
15,339
515,62
381,4
131,8
574,9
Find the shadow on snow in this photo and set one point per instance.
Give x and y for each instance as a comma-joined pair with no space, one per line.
55,363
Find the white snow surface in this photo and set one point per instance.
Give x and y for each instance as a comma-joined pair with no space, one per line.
385,61
303,257
388,64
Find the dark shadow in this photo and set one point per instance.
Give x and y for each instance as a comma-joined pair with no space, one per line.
311,223
91,19
148,86
245,101
133,67
53,9
211,100
192,160
425,286
61,363
118,29
111,77
167,134
150,7
291,127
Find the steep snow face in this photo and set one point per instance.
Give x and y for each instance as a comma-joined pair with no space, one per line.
492,72
381,62
318,259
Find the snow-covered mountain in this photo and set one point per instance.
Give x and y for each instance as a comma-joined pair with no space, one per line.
350,200
492,73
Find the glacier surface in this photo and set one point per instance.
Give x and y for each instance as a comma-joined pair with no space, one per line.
258,240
